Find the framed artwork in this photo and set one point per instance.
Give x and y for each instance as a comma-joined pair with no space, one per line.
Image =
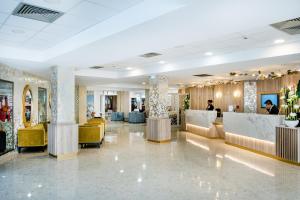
90,104
42,105
7,138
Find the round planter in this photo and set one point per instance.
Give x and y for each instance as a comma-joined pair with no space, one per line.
291,123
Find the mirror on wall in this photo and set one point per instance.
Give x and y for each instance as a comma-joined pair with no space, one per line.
42,105
27,106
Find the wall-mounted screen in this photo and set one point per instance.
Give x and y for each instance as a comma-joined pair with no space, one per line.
273,97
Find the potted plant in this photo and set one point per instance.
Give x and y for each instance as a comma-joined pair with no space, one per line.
290,105
186,102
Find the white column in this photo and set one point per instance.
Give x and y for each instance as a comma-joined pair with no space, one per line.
63,131
97,109
102,105
158,124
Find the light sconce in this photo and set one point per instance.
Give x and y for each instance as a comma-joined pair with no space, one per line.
236,94
219,95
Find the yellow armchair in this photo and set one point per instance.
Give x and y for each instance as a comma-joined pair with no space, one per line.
97,121
91,134
35,136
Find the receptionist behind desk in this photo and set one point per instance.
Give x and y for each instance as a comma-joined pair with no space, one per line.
271,109
210,105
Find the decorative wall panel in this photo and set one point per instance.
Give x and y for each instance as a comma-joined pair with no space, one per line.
250,101
158,97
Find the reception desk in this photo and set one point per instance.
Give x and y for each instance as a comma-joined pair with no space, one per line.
252,131
201,122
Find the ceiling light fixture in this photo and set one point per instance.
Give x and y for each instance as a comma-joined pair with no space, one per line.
162,62
279,41
143,83
129,68
208,53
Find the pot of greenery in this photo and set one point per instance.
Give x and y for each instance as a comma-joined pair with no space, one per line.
186,102
290,106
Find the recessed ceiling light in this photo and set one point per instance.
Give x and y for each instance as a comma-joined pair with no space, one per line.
208,53
17,31
143,83
128,68
162,62
279,41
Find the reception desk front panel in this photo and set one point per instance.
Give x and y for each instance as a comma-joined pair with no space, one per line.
252,131
262,127
201,118
201,122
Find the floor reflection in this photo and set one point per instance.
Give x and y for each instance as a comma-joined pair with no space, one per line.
128,167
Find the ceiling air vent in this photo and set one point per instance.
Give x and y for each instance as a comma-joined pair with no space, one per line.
96,67
202,75
291,26
150,55
36,13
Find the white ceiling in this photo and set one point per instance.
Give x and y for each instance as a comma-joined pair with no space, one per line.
79,15
114,33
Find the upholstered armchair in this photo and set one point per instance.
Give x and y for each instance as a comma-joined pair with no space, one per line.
136,117
91,134
35,136
117,116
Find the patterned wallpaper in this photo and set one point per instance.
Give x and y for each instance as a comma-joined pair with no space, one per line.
250,102
158,97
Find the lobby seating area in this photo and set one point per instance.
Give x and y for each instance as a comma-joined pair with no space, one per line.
35,136
92,132
117,116
136,117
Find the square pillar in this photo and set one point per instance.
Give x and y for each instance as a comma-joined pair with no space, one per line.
63,130
158,123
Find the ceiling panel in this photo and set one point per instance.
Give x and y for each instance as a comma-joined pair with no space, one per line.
7,6
36,44
88,10
25,23
60,30
13,38
9,43
17,31
3,17
75,22
52,38
58,5
117,4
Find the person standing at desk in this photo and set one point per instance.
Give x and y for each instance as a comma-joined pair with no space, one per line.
210,105
271,109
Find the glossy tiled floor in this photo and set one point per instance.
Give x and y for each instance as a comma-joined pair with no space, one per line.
128,167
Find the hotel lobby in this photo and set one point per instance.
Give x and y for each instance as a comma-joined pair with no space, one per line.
148,99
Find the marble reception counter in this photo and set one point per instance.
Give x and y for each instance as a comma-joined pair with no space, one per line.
201,122
252,131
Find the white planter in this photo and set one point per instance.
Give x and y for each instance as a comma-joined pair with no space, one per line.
291,123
